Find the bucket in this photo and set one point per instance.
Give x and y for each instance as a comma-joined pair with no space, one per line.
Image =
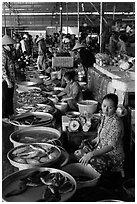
88,106
78,170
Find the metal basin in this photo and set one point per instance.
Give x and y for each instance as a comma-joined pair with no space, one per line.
26,119
34,134
27,83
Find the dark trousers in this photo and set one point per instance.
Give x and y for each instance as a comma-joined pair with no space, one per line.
7,100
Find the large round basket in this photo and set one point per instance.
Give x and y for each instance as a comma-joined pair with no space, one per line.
47,158
20,120
35,193
34,134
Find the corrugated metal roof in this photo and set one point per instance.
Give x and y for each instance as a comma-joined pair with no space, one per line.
42,14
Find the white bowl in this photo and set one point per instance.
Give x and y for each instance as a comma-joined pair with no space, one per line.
88,106
53,99
78,169
62,106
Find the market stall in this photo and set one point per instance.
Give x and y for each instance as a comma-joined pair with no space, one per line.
69,130
52,153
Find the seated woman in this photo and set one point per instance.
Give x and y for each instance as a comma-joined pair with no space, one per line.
72,93
108,153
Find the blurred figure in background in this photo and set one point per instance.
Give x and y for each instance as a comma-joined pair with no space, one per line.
41,60
113,40
8,76
86,56
72,93
122,45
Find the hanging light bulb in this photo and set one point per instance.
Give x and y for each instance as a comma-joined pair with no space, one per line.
60,8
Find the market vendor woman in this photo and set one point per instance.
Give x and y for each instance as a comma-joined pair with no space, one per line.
72,93
109,153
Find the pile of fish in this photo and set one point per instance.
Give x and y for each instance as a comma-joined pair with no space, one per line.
35,154
31,118
55,184
32,96
28,120
36,108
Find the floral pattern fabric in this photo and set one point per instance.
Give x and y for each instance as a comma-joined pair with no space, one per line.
110,132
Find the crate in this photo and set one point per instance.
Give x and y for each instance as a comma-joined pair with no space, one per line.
62,62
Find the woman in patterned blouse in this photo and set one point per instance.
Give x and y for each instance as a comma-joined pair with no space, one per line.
109,153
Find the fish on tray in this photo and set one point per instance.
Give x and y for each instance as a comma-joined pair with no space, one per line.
55,184
20,188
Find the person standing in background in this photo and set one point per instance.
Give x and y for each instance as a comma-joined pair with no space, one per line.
8,76
41,60
122,45
87,58
113,44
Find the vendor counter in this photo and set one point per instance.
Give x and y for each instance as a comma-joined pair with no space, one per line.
103,80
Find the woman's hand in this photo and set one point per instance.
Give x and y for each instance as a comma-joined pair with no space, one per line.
56,98
64,99
86,158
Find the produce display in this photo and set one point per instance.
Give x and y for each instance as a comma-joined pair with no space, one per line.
31,97
35,154
121,60
40,136
102,59
40,186
31,119
36,108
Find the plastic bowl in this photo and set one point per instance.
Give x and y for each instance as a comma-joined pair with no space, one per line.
77,169
73,114
62,106
89,106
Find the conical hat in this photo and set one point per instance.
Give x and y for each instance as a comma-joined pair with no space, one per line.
39,38
7,40
77,46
